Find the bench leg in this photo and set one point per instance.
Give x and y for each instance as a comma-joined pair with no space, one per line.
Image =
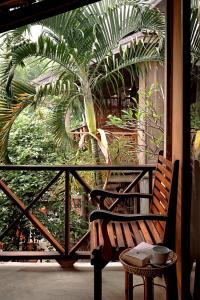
97,282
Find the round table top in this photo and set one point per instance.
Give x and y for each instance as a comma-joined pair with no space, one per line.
149,270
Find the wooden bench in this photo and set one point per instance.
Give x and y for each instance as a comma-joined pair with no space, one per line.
111,233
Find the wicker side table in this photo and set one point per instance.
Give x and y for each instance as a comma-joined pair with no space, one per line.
148,272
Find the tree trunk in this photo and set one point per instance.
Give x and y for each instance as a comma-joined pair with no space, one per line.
68,120
95,152
90,118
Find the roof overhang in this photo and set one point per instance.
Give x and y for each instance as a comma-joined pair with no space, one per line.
16,13
155,2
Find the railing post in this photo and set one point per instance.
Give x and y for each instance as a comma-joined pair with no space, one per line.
150,184
150,181
67,210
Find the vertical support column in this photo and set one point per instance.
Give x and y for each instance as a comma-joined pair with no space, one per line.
67,211
168,82
178,100
186,168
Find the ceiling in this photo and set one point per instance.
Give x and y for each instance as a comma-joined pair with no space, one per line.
16,13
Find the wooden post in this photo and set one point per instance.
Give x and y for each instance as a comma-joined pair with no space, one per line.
178,100
67,210
150,181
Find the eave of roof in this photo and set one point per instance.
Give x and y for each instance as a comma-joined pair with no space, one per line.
16,13
154,2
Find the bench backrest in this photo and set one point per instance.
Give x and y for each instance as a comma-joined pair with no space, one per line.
164,194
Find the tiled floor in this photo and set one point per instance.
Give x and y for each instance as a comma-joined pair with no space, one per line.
48,281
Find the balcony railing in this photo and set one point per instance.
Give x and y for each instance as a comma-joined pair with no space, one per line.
31,206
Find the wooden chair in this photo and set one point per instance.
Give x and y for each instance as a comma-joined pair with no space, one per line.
111,233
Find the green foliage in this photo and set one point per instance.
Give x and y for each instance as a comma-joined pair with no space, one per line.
31,69
29,143
79,225
32,143
30,140
143,118
195,116
121,152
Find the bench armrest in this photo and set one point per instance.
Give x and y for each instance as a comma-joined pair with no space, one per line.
109,216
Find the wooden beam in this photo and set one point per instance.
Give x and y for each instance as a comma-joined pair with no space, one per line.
178,38
186,168
75,168
20,255
168,83
37,11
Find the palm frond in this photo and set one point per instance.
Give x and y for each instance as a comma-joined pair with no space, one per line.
56,124
195,36
195,4
119,21
61,25
44,47
8,116
10,108
134,57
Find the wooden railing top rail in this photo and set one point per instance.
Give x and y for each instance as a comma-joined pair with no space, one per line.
77,167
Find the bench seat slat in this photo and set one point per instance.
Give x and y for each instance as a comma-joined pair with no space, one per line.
145,232
112,235
119,234
136,233
128,236
158,236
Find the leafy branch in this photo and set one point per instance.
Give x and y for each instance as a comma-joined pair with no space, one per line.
145,118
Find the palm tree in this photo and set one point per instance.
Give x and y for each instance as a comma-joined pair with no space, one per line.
78,47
